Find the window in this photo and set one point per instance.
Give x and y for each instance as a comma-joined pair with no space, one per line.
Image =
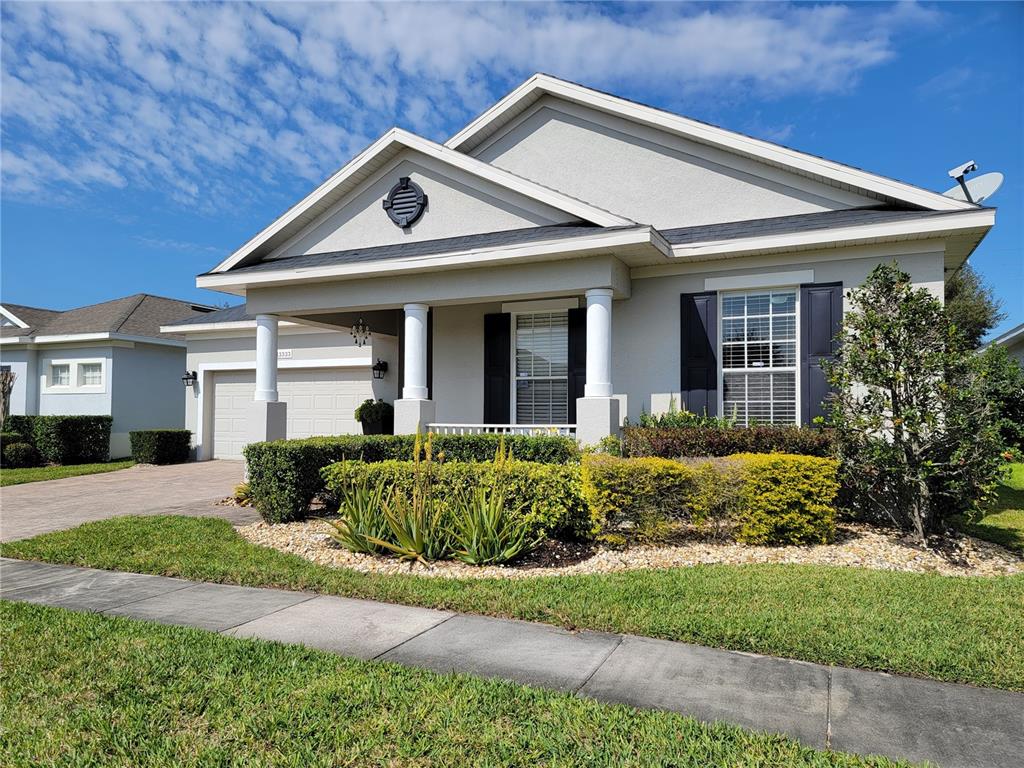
541,349
90,375
60,375
759,356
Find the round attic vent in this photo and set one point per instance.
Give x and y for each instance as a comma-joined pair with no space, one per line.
405,202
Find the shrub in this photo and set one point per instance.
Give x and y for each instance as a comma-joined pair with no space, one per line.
677,442
285,474
361,518
22,425
20,455
161,446
487,531
10,437
240,493
1003,380
549,495
71,439
677,418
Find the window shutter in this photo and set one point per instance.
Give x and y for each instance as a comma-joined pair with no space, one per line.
497,368
577,358
821,312
699,352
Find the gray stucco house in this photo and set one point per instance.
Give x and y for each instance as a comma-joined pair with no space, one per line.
569,259
103,359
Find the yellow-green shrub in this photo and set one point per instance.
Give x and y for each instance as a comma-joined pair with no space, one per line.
786,499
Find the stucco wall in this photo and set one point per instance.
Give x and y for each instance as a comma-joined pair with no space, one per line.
648,175
146,392
457,204
23,366
73,401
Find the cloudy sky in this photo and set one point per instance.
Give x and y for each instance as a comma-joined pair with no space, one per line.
142,142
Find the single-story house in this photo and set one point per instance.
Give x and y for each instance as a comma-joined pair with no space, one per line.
1013,340
103,359
570,258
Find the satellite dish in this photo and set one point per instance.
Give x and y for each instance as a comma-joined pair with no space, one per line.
981,188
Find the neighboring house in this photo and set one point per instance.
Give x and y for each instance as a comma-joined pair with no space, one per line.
107,359
323,375
570,258
1013,340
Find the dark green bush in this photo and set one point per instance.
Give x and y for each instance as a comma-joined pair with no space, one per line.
10,437
17,455
677,442
65,439
284,475
161,446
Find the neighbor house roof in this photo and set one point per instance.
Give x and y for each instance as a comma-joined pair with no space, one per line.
1011,336
139,315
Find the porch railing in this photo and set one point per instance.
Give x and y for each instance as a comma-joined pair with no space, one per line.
567,430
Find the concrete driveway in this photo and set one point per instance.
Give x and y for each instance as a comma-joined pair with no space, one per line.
179,489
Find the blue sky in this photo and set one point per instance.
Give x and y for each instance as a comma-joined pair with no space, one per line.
143,142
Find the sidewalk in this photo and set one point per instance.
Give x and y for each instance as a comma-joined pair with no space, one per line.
845,709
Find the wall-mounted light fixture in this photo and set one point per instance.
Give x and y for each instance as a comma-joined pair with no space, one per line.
190,378
380,368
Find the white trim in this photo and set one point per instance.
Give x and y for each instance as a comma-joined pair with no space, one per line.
541,305
513,375
73,387
12,317
1010,336
71,338
203,370
764,280
808,165
394,140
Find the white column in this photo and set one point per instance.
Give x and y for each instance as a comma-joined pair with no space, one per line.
266,359
599,343
415,363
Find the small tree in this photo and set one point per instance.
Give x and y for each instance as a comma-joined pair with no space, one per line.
917,438
1003,380
7,379
970,305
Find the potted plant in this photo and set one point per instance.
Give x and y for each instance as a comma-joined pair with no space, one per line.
377,418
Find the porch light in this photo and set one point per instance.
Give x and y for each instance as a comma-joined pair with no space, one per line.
190,378
380,368
360,333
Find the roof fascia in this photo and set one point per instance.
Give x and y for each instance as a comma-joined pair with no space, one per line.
70,338
12,317
765,151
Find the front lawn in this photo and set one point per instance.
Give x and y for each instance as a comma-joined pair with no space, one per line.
948,628
10,476
1004,523
97,690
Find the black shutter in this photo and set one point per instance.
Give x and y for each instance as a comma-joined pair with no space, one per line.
497,368
699,352
821,312
577,358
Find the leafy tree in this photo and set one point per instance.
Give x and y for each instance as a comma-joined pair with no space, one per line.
916,437
1003,380
970,306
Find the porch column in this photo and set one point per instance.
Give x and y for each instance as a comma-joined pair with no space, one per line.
413,412
267,419
597,412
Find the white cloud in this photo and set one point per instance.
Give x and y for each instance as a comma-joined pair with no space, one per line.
215,104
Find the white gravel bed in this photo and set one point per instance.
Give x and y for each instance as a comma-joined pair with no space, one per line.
857,546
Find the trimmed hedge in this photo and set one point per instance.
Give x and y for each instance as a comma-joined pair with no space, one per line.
161,446
677,442
10,437
550,494
17,455
65,439
284,475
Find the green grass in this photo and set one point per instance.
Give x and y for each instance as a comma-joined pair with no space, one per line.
958,629
80,689
38,474
1004,522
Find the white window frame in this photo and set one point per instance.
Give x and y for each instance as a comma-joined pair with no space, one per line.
513,416
51,379
80,367
721,357
74,385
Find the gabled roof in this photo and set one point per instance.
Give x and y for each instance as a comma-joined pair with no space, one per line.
1011,336
373,158
139,315
811,166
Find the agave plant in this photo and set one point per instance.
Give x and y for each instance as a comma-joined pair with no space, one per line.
487,532
362,521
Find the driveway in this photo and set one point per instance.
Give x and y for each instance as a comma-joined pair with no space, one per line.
179,489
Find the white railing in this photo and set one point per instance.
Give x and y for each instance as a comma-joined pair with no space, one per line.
567,430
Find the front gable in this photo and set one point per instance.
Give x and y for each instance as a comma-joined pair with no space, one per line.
457,204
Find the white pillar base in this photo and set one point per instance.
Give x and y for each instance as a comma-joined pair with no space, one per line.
596,418
412,415
266,421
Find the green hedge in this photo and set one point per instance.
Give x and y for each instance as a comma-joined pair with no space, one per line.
65,439
549,494
677,442
10,437
17,455
284,475
161,446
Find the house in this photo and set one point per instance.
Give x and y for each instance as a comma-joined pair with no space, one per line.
571,258
1013,340
102,359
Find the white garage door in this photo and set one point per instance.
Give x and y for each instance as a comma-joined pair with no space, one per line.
320,401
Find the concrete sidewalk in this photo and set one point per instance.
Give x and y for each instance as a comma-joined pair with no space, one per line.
845,709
